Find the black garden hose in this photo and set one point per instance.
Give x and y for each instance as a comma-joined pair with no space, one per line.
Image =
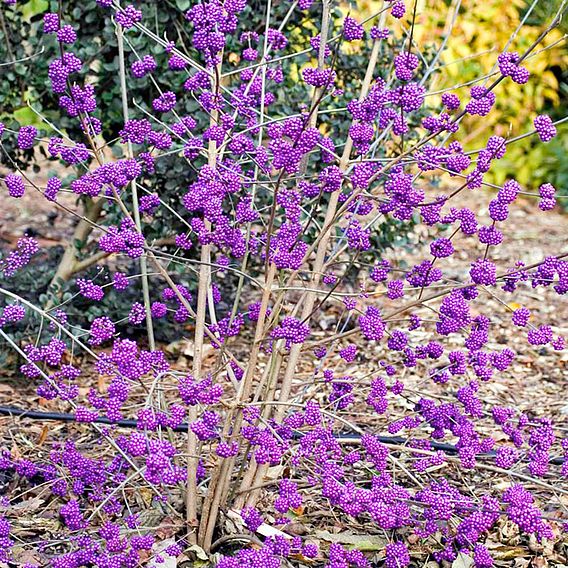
126,423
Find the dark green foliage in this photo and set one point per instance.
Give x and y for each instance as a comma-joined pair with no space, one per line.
27,82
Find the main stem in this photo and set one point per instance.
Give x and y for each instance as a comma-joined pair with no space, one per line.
310,297
134,192
222,471
202,297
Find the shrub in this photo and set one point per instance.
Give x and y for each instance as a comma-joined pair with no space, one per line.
277,205
96,45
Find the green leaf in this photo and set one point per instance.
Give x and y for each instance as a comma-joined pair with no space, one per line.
183,5
33,8
26,116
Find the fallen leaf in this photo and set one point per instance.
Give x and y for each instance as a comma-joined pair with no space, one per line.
43,436
508,552
198,551
264,529
296,529
150,517
32,504
274,472
26,556
147,495
268,531
168,527
187,347
363,542
167,561
462,561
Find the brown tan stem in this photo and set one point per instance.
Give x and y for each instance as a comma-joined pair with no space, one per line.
68,262
223,469
310,297
202,296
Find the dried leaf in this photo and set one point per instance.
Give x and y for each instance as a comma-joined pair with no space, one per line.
268,531
147,495
296,529
150,517
462,561
26,556
362,542
274,472
198,551
436,467
168,527
43,436
508,552
264,529
27,506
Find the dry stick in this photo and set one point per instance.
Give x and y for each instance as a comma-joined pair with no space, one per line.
325,19
134,190
220,479
319,262
204,275
272,380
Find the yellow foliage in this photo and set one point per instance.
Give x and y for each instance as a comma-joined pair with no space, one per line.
477,35
480,32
